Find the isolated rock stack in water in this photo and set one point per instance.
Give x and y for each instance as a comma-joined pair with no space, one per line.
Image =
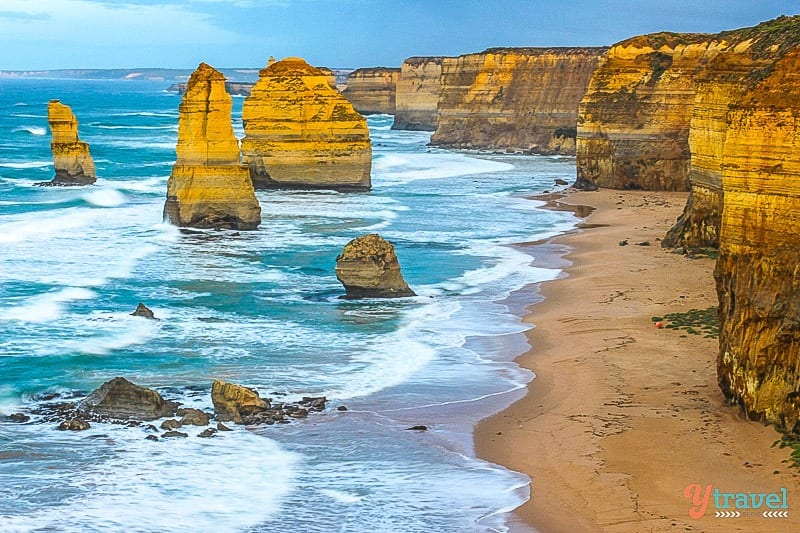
301,133
209,187
368,268
73,162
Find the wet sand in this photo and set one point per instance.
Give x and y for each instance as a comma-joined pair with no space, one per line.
623,416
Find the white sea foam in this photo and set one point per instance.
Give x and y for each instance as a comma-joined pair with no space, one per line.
116,332
127,483
46,307
341,496
26,164
33,130
45,226
394,169
105,198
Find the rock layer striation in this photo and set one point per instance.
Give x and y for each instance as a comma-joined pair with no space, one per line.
208,186
373,91
71,157
521,99
418,89
301,133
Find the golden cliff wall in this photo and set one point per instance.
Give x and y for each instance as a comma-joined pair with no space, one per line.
301,133
633,128
758,271
418,89
743,57
71,157
208,187
373,90
522,99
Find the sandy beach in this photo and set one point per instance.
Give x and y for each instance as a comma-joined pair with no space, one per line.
623,416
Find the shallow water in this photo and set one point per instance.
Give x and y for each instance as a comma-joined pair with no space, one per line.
260,309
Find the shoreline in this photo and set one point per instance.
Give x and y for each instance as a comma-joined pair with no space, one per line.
622,416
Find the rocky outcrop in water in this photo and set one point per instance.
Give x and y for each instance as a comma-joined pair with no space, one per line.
301,133
520,99
71,157
418,89
208,187
121,399
373,91
368,268
758,272
244,406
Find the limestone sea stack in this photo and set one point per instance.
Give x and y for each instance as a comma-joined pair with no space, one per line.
209,187
519,99
71,157
418,90
373,90
301,133
368,268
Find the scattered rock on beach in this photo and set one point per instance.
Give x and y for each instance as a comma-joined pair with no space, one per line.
172,434
19,418
207,433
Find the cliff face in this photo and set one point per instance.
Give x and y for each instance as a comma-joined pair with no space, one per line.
418,90
522,99
73,162
758,271
373,90
301,133
208,187
633,129
744,57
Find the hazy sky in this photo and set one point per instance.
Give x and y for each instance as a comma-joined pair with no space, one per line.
46,34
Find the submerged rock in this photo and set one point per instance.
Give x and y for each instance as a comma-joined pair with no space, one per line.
301,133
208,187
368,268
119,398
74,424
71,157
144,311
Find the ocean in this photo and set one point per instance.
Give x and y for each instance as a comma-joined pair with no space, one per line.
261,309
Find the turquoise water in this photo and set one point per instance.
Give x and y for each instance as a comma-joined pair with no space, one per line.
261,309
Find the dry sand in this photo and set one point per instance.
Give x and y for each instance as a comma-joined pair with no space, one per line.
622,416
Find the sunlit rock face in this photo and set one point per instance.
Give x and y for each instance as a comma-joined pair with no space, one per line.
208,186
71,157
418,89
518,99
373,90
758,270
302,133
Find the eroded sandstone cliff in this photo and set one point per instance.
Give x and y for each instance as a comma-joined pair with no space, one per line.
71,157
522,99
741,58
758,270
301,133
373,90
208,186
633,128
418,90
368,268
